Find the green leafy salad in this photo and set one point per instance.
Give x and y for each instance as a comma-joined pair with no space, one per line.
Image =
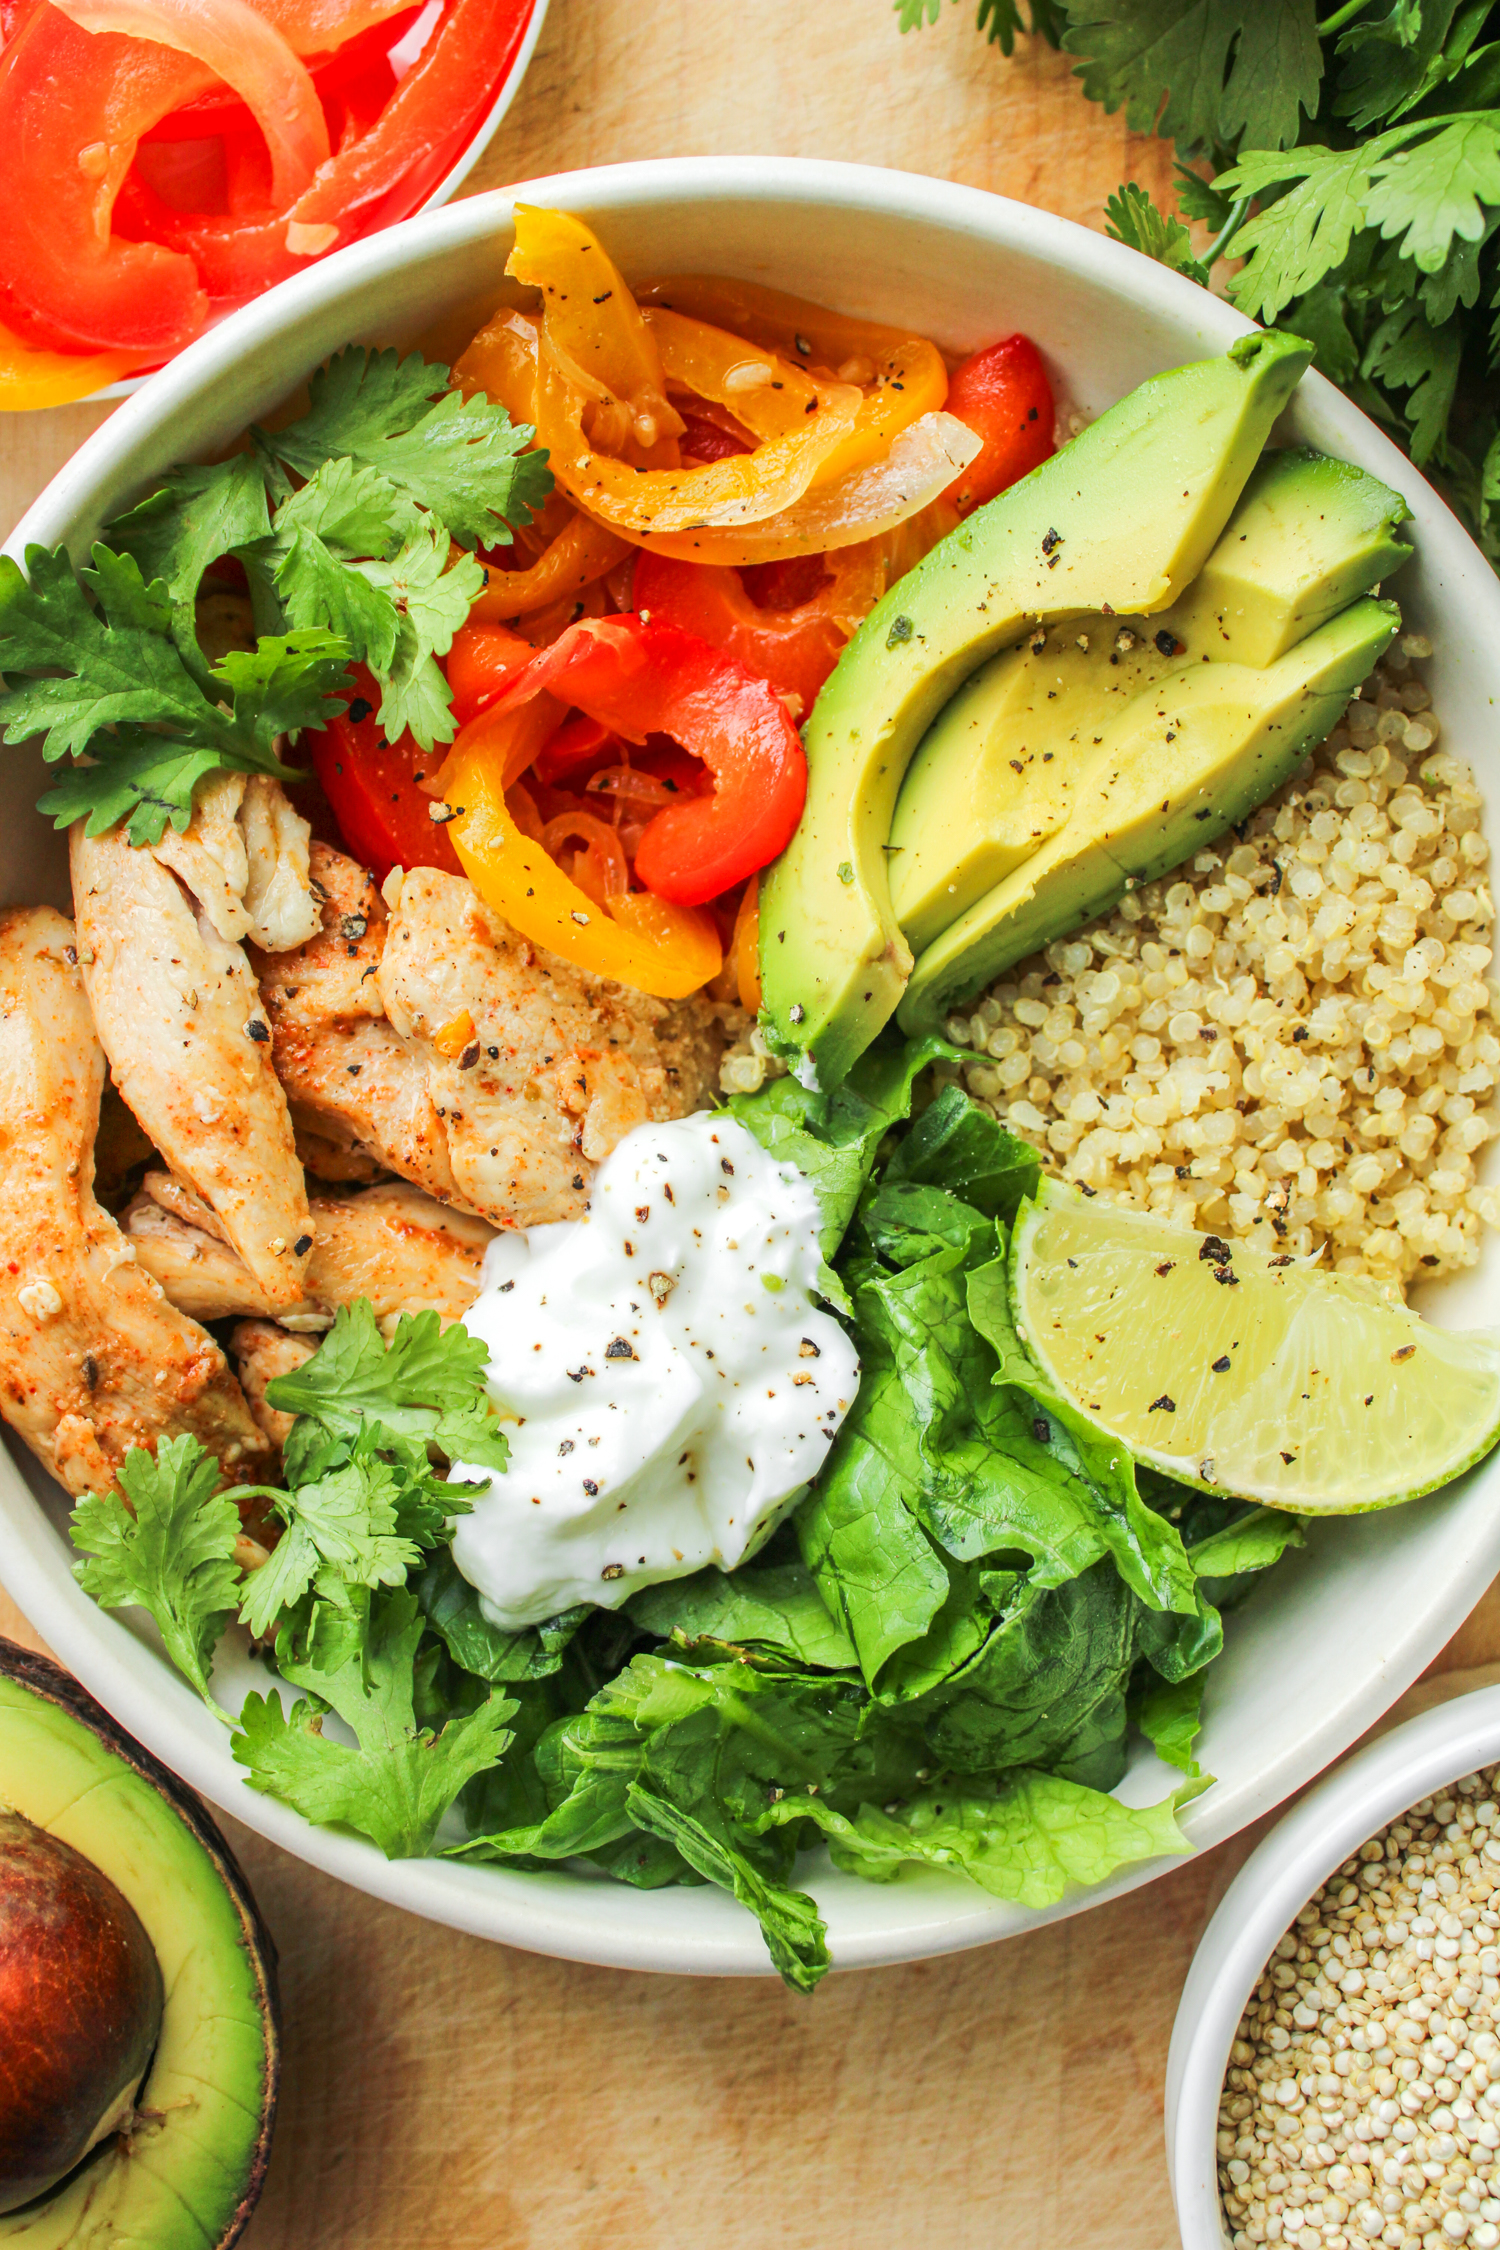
939,1659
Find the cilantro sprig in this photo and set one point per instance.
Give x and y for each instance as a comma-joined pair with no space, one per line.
362,1503
349,525
1352,163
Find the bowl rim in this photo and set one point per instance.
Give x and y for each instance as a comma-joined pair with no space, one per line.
553,1913
447,187
1362,1795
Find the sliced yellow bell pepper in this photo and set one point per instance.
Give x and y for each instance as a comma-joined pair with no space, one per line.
581,554
901,375
595,328
32,378
589,428
642,941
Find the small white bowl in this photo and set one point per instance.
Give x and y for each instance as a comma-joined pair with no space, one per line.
1354,1802
1340,1628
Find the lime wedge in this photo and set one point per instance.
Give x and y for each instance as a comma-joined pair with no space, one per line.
1243,1372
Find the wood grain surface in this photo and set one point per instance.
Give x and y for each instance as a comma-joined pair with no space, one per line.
446,2094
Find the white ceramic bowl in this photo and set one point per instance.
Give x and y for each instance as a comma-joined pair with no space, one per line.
453,179
1343,1626
1331,1821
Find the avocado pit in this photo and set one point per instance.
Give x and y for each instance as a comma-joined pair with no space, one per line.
80,2008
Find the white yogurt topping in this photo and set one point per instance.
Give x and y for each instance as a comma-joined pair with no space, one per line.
673,1381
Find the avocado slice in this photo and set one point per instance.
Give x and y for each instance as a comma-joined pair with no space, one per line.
1123,517
193,2169
993,777
1189,757
1310,535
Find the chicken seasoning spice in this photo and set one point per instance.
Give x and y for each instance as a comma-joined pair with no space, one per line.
1362,2100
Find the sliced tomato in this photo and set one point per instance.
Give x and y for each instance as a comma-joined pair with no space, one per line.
372,785
1002,394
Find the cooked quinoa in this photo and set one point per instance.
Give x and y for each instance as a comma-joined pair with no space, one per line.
1293,1035
1362,2100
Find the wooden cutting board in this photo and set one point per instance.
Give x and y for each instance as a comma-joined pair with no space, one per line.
445,2094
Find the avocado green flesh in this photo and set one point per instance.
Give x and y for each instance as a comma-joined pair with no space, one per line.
993,778
1309,536
1184,763
183,2181
1124,516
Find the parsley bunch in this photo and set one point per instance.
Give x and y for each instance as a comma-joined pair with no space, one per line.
1352,163
361,1507
346,523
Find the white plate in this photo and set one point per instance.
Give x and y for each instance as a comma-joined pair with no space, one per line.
1341,1627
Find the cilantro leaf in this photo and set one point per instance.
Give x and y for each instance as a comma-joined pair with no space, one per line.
1201,72
461,459
279,687
1429,194
171,1551
999,20
118,661
341,1532
195,516
1132,218
1298,240
427,1384
142,779
1406,353
429,602
396,1784
127,701
1202,199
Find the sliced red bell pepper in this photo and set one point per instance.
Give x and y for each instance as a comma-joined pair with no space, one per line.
794,648
370,181
642,677
371,784
72,106
425,126
481,664
1002,394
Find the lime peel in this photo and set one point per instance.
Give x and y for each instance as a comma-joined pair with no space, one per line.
1242,1371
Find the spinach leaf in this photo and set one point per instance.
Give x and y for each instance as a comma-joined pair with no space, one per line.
772,1605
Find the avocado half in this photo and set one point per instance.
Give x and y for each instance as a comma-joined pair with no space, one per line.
192,2171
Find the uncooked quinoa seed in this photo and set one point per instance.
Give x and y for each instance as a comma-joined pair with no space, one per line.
1362,2100
1291,1039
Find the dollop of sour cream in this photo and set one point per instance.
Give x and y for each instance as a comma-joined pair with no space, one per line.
672,1381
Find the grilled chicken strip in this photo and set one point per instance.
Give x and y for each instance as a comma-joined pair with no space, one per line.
479,1066
355,1091
392,1244
261,1353
537,1070
180,1018
244,857
93,1359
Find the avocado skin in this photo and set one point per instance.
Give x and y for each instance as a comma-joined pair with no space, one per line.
1309,536
192,2183
1076,535
1188,759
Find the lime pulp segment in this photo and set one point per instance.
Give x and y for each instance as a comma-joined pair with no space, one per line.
1233,1368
